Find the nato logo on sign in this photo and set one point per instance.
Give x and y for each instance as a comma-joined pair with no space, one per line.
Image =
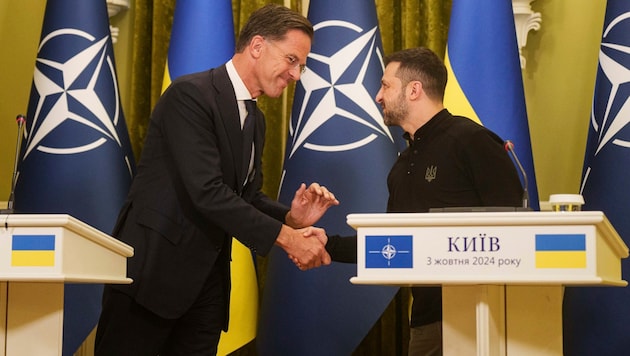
388,251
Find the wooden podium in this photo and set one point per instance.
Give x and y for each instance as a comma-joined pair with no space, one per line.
502,273
38,254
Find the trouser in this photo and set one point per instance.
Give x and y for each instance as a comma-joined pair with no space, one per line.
426,340
127,328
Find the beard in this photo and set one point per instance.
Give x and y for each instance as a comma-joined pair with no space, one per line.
396,112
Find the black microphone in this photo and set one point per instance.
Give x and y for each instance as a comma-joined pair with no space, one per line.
509,146
20,122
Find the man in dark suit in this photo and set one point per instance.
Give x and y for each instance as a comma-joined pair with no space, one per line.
198,185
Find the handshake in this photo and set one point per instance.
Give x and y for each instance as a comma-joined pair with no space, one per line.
305,244
307,248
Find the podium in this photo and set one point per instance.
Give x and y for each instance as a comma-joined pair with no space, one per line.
38,254
502,273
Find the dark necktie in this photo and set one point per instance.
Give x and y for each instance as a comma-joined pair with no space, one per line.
248,135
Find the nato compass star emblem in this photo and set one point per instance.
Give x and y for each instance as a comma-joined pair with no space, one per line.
388,252
617,72
70,88
334,86
393,251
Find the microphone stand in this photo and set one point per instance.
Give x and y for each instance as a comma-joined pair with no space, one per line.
509,146
9,210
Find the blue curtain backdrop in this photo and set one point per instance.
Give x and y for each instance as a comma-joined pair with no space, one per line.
76,157
485,81
337,138
596,320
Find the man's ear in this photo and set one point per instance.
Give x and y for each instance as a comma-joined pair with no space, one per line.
256,46
415,90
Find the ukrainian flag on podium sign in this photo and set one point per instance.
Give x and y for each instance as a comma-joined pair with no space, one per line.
484,75
202,37
560,251
33,251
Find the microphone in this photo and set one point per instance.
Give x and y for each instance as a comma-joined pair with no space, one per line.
20,122
509,146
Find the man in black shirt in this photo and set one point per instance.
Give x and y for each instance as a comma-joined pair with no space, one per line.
451,161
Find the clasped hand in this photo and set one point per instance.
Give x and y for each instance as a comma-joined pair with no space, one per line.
308,249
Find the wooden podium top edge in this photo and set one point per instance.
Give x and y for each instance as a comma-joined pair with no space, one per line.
70,223
521,218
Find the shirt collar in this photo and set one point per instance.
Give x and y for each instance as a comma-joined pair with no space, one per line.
427,127
240,90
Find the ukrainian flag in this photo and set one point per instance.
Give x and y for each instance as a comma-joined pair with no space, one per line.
33,251
484,75
560,251
202,37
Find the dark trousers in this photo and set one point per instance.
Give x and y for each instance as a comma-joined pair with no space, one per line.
426,340
127,328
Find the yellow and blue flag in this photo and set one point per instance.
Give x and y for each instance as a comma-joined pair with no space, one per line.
484,76
76,156
596,319
202,37
33,251
335,123
560,251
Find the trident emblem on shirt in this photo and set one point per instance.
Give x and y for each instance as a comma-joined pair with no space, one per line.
431,173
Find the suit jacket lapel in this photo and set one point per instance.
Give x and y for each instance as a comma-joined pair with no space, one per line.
228,108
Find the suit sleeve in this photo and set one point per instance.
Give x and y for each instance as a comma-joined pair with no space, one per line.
342,248
200,150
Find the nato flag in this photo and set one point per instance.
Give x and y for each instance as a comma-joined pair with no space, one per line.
336,138
76,157
597,320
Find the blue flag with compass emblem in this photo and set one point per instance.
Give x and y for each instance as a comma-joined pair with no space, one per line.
388,251
596,320
76,156
336,138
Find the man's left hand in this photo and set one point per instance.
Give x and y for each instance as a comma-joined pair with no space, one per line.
309,205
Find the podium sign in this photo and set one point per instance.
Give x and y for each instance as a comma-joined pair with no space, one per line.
492,267
38,254
579,248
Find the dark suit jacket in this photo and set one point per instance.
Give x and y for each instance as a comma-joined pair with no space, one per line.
187,199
